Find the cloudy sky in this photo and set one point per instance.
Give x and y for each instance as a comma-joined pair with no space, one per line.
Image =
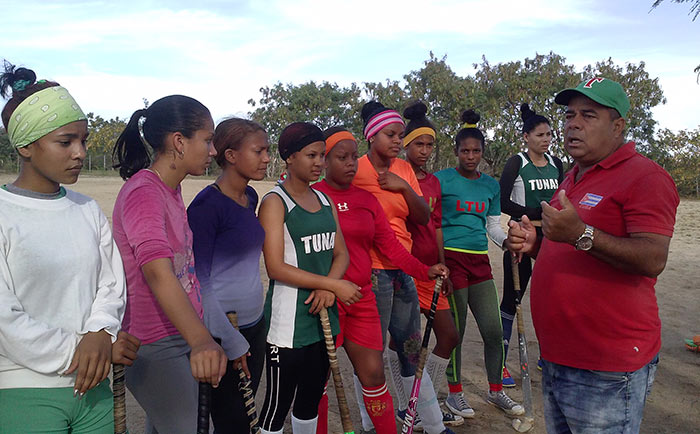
112,54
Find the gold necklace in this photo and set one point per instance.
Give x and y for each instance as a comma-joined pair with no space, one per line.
154,170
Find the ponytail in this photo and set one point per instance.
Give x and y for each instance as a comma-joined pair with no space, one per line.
130,150
145,134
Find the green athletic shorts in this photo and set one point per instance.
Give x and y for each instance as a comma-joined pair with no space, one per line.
55,410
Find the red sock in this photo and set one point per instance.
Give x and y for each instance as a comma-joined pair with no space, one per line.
495,387
322,424
454,388
380,408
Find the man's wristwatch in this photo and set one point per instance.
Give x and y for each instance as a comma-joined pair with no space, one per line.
585,241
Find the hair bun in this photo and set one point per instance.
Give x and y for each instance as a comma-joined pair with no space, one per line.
415,111
371,108
17,79
24,74
470,117
526,112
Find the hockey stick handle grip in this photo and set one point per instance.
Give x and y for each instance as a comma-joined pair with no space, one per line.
245,388
119,391
335,371
203,408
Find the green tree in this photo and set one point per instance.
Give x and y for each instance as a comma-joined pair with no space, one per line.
326,105
505,86
103,136
495,91
390,93
447,95
8,155
682,159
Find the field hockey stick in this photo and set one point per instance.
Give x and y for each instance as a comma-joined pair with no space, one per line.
203,408
528,421
407,427
119,392
335,370
245,388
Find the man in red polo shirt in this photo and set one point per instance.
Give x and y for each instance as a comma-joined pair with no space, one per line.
606,237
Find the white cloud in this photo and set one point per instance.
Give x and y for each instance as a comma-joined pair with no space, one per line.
138,30
394,19
120,95
683,93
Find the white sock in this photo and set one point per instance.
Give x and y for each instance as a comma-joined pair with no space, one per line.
395,369
367,424
436,366
304,426
428,408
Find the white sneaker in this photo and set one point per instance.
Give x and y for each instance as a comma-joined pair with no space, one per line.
503,401
457,404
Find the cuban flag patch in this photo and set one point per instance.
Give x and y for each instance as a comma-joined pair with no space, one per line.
590,200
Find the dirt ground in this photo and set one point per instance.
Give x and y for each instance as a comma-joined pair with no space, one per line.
674,404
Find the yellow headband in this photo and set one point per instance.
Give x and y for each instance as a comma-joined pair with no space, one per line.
418,132
469,126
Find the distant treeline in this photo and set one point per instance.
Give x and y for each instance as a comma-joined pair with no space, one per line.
495,91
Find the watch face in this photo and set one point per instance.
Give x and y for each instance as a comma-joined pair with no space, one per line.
584,244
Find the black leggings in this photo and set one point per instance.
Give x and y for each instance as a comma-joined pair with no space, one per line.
227,407
509,296
525,269
293,374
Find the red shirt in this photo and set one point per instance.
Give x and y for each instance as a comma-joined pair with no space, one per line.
588,314
364,225
423,236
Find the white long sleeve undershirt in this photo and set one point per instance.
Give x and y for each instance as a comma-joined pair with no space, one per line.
495,231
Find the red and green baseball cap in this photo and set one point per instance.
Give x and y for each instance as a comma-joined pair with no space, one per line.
601,90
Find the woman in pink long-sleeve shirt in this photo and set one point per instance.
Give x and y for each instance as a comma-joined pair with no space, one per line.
151,230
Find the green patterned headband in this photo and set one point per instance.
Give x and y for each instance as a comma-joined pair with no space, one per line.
41,113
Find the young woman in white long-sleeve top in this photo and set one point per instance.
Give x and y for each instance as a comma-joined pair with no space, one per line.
62,291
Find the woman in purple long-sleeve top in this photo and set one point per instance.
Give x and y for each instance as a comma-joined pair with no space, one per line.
227,244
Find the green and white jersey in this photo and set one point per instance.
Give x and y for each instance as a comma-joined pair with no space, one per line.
534,184
309,239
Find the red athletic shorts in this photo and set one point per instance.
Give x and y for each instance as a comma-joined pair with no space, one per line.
359,322
425,295
467,269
